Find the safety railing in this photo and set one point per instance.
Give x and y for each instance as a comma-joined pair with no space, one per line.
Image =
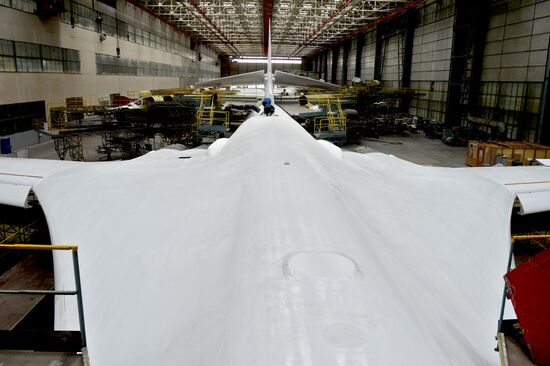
335,119
325,124
208,114
77,292
509,267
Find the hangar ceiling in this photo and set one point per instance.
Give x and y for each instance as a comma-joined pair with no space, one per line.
299,27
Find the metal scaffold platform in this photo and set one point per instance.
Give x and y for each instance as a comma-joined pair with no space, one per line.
126,131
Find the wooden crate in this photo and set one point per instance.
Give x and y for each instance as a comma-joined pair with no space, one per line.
504,152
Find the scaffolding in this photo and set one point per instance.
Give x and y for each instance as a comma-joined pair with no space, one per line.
332,125
210,119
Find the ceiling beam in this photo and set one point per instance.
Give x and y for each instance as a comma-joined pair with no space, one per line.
388,16
219,33
320,27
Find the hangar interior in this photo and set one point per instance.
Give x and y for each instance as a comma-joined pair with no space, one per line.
449,83
481,68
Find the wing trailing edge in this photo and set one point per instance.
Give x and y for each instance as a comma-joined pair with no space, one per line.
285,78
255,77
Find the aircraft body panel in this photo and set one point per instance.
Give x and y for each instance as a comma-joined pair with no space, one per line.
277,251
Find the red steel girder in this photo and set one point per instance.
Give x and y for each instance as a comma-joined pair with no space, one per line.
220,34
318,29
388,16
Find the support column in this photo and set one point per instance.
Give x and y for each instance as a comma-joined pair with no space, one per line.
325,66
468,41
345,58
543,125
307,64
410,25
335,52
480,28
359,54
379,57
225,69
408,47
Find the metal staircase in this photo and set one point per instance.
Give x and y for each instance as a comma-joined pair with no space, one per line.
210,119
332,126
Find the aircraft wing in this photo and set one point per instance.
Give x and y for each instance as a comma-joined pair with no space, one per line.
249,78
272,248
531,185
19,176
285,78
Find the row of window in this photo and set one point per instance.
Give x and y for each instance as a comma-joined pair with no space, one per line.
32,57
28,6
511,96
111,65
89,19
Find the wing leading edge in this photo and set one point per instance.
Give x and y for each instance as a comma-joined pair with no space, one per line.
19,176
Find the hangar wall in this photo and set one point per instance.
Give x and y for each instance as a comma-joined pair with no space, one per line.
467,60
152,55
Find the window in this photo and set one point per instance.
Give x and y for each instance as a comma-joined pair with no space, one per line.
31,57
28,65
28,6
7,61
52,59
111,65
28,57
23,49
108,25
71,61
7,64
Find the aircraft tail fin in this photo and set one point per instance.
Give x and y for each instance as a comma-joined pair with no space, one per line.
269,74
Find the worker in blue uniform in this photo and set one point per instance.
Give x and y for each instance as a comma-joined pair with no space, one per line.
268,109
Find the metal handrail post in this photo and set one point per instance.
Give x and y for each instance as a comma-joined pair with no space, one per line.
79,297
503,303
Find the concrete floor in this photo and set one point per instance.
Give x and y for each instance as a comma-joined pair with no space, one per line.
30,358
415,148
46,150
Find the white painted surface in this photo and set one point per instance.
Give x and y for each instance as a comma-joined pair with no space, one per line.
334,150
14,195
217,146
274,252
534,202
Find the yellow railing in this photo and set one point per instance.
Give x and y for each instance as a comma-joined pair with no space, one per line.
527,237
207,114
211,117
335,119
76,267
329,124
39,247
